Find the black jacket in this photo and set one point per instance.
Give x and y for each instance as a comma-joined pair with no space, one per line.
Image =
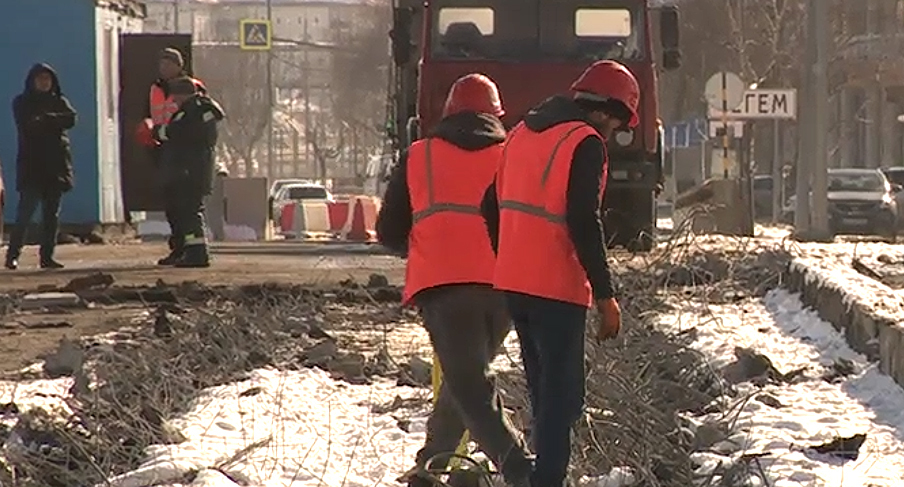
582,207
44,160
468,131
188,144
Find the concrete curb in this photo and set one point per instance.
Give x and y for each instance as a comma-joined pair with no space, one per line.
873,331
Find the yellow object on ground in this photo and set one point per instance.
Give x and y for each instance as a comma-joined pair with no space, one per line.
437,380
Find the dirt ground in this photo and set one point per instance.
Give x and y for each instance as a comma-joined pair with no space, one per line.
26,335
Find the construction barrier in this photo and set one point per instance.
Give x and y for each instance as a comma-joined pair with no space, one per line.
305,219
339,213
362,220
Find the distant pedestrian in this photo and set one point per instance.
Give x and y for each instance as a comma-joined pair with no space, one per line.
162,105
187,155
44,162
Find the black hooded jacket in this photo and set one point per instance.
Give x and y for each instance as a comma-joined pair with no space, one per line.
44,160
188,154
468,131
582,206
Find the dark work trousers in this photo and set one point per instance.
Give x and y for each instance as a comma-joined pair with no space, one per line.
170,208
172,211
29,199
467,324
188,214
552,349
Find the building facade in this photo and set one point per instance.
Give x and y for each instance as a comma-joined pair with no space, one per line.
80,39
870,70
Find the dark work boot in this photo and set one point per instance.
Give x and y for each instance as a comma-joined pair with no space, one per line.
51,264
195,256
12,263
172,258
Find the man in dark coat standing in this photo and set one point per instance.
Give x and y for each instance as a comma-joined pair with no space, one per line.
188,143
44,162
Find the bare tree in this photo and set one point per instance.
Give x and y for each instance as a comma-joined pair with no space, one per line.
237,79
360,83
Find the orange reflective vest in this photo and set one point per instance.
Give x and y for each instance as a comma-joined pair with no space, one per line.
536,255
163,107
448,243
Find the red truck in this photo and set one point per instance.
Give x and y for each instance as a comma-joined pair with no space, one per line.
534,49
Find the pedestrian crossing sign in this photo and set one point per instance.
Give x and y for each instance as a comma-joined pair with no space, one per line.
255,35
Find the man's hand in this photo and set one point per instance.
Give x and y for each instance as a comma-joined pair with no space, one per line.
610,319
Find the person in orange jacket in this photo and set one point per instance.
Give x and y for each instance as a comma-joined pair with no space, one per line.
543,217
162,105
431,213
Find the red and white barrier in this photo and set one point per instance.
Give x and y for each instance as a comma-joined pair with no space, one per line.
339,214
360,226
305,219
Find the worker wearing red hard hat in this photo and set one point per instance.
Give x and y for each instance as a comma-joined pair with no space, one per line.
543,215
431,214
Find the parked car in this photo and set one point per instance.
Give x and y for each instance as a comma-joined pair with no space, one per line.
279,184
860,202
299,192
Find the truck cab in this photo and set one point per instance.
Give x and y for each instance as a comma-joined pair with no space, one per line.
534,49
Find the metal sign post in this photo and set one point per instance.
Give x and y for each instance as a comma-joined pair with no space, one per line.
724,92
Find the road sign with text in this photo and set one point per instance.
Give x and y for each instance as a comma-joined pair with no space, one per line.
762,105
255,35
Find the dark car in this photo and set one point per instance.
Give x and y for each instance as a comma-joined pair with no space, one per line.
862,201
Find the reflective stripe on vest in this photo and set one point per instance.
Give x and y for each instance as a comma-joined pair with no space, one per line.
536,255
448,243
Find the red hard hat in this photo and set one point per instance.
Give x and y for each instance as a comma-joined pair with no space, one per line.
605,80
473,93
144,133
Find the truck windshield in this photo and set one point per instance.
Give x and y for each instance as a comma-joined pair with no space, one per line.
513,30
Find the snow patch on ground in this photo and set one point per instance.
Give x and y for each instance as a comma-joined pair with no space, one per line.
47,394
815,411
307,430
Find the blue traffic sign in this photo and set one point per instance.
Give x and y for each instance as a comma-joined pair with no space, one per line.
255,35
687,133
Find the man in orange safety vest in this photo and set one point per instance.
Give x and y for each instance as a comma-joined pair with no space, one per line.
431,213
162,106
543,215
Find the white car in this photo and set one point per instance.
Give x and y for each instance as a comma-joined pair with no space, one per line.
299,192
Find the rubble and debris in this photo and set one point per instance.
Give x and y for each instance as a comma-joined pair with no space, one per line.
50,300
847,448
102,280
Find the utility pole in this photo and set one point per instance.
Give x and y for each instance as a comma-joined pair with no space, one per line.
175,16
308,130
778,181
805,132
818,38
270,101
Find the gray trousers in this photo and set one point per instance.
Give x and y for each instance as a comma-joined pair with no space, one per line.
467,325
